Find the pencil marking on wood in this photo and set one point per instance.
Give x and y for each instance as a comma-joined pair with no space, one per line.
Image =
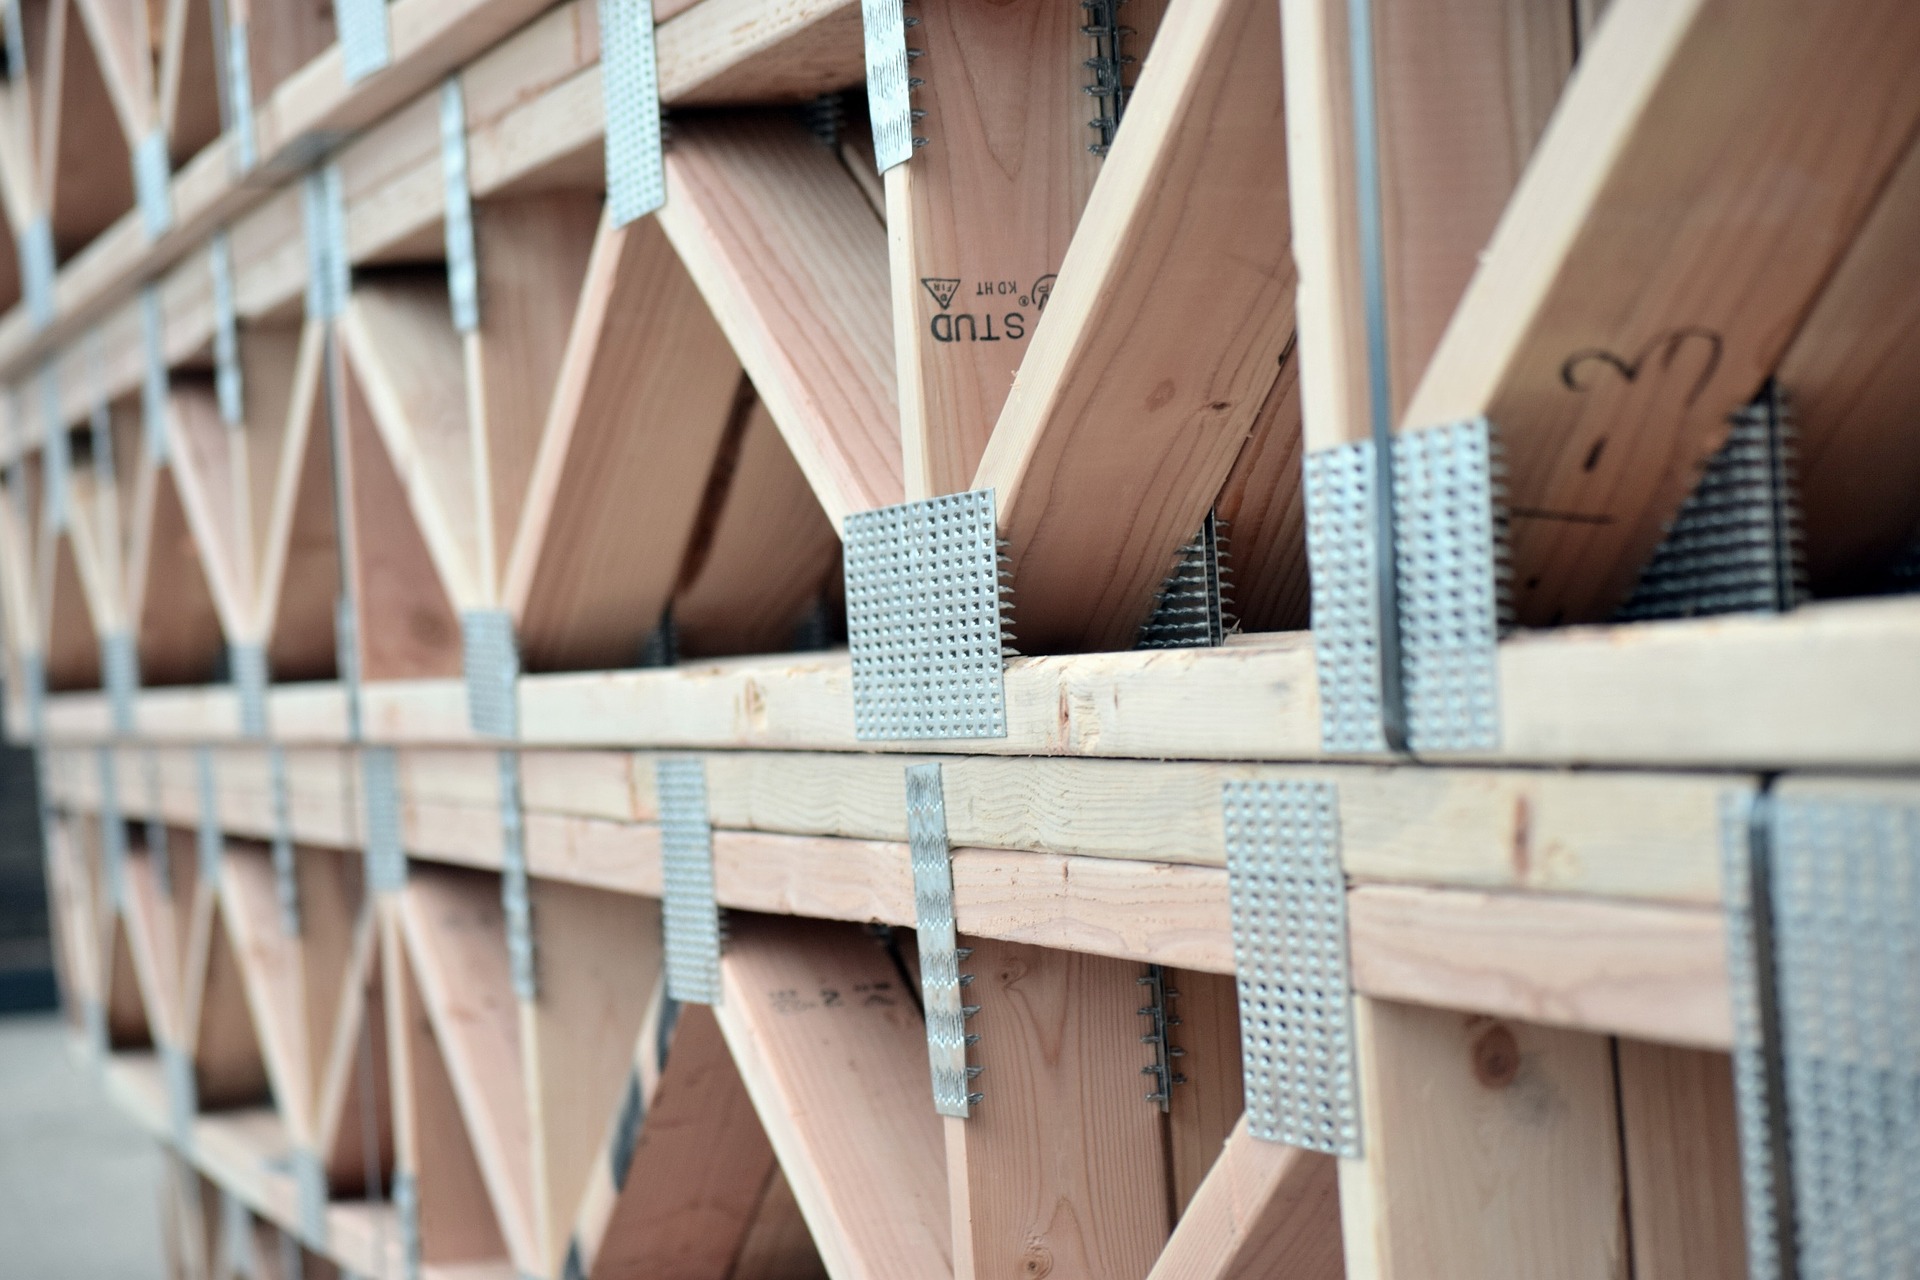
1668,345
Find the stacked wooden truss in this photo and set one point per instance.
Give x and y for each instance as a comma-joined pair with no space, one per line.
1603,233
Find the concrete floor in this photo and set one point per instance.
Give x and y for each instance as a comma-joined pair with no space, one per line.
79,1184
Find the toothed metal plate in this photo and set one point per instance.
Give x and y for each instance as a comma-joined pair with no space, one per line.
113,828
889,87
940,981
690,914
463,281
1846,915
406,1208
346,650
160,854
491,661
236,1225
120,672
1289,908
183,1094
55,449
365,46
208,840
1735,546
228,388
152,184
514,900
286,875
37,270
310,1190
1191,611
630,84
380,787
1344,564
246,152
1450,560
153,386
925,620
1757,1083
248,663
329,272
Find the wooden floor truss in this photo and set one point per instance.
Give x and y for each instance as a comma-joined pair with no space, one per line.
644,456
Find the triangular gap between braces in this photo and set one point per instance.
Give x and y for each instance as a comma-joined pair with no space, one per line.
68,561
299,550
189,73
763,557
270,365
600,957
455,933
152,938
531,256
642,398
1262,507
406,623
171,604
250,1042
356,1075
85,162
120,39
207,461
406,360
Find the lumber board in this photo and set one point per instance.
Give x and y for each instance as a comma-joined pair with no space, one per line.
1608,342
1118,435
1265,1209
1680,1142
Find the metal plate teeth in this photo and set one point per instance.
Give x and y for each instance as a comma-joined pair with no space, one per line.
248,663
940,977
239,83
365,45
1344,561
1192,610
662,645
380,785
516,902
463,279
927,619
491,660
1846,918
183,1094
113,829
310,1186
1288,898
1755,1072
208,841
826,118
152,183
37,270
286,874
630,84
324,217
1735,546
890,88
56,449
1109,65
690,914
229,388
1158,1011
120,668
1451,566
153,387
406,1208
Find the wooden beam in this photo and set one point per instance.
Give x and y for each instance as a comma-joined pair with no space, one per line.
792,262
1265,515
251,935
1264,1210
1607,341
1682,1149
833,1054
645,391
1491,1149
1118,435
1062,1169
978,220
1204,1043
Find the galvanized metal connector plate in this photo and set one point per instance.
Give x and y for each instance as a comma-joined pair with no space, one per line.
286,873
183,1094
159,847
120,672
312,1194
365,45
380,789
1192,610
406,1208
153,386
630,85
1161,1019
37,270
463,278
239,85
1449,566
329,270
940,954
1344,563
346,650
99,412
113,828
236,1226
889,84
1759,1088
209,841
229,389
152,184
1289,904
1735,546
927,619
1450,554
55,450
515,902
690,914
248,663
490,658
